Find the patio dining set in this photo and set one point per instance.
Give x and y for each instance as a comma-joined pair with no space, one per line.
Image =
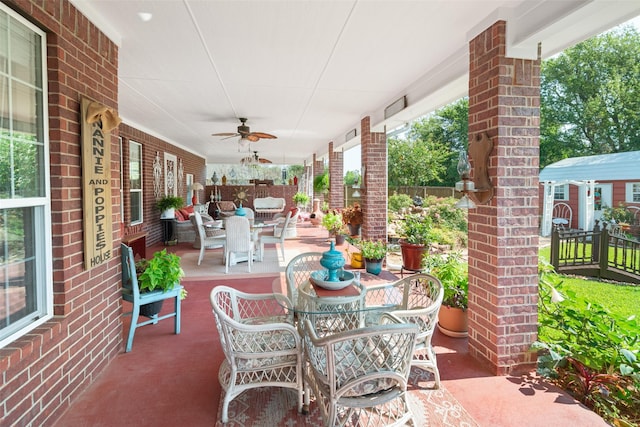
349,351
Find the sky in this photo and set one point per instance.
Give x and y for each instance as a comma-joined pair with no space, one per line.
352,156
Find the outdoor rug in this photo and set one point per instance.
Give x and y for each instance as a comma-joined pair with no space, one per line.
274,406
212,266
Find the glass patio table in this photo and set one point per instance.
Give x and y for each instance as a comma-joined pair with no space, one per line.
357,305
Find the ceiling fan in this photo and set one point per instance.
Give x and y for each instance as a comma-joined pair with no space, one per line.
254,159
245,134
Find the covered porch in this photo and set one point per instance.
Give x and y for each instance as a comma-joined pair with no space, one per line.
169,380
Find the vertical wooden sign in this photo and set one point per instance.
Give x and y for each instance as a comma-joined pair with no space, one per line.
97,122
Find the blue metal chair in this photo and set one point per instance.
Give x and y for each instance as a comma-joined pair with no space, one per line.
131,293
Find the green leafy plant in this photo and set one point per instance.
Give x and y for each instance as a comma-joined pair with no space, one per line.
301,198
619,215
589,351
451,269
398,202
416,229
169,202
332,221
162,272
372,249
321,183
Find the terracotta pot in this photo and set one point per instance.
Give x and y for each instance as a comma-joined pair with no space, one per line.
452,321
412,255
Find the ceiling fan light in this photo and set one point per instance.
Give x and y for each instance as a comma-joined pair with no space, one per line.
244,142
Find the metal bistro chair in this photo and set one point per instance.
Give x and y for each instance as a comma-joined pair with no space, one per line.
131,293
415,299
261,345
359,376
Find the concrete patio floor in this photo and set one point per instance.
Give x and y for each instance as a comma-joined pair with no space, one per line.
169,380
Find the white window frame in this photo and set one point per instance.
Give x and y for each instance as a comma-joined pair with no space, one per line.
632,193
562,188
138,191
42,271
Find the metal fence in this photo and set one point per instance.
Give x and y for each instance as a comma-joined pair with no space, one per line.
597,253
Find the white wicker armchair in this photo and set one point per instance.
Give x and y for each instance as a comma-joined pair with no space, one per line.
415,299
298,271
359,377
260,343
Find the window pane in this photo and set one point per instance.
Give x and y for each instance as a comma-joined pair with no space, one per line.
25,55
19,292
636,192
136,206
4,43
135,177
26,173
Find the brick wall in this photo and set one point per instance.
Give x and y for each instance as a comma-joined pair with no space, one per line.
151,145
45,370
504,99
374,195
336,173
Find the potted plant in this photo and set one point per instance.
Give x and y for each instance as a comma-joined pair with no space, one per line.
415,238
332,221
168,205
451,270
353,218
301,199
162,272
321,183
373,253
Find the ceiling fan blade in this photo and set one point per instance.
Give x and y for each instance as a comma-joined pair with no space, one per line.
261,160
225,134
263,135
251,137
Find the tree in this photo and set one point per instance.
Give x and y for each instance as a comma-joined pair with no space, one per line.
351,177
590,98
428,155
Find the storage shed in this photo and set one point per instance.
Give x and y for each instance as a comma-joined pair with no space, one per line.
588,185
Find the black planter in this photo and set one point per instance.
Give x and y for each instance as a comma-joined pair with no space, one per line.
354,229
151,309
339,239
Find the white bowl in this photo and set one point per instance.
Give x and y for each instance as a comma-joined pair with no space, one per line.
319,278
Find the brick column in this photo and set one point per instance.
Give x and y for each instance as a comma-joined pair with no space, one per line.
336,172
318,168
374,196
504,101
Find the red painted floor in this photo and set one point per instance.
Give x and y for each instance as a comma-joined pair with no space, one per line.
171,380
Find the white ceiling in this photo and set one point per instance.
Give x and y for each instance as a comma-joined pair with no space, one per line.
308,71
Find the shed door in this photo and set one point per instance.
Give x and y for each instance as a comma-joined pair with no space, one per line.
602,198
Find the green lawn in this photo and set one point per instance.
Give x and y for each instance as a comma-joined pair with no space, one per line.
615,297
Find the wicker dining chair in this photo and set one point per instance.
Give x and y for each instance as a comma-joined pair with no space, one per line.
415,299
261,345
298,271
239,240
359,377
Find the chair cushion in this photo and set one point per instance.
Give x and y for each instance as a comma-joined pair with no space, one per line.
354,361
179,215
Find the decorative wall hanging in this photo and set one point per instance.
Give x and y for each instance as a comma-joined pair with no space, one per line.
97,121
157,176
180,187
170,171
241,195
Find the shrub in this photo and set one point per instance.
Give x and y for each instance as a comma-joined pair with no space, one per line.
398,202
589,351
451,270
